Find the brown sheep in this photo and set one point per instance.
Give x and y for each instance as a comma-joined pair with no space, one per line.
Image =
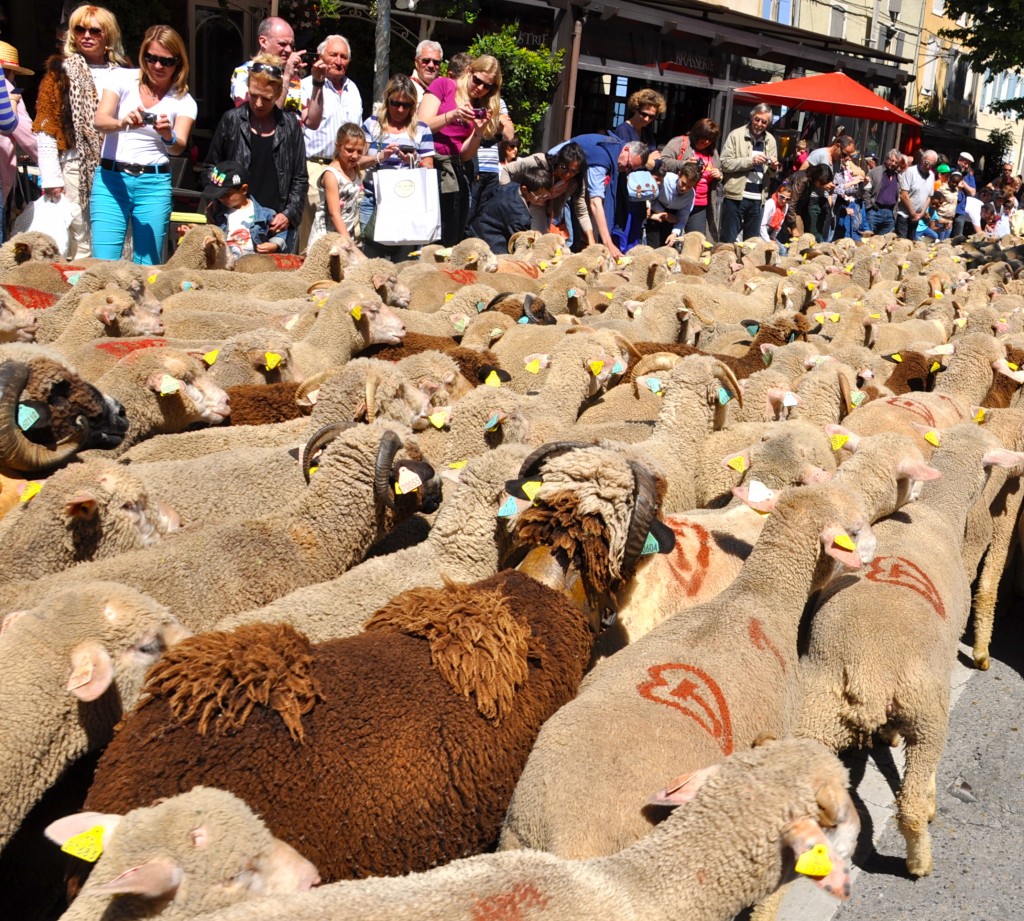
263,404
470,361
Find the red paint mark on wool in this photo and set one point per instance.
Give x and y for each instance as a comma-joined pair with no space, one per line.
509,906
915,409
32,298
121,347
896,570
461,276
690,556
287,260
695,694
760,640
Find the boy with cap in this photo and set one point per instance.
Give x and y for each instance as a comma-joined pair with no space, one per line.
245,222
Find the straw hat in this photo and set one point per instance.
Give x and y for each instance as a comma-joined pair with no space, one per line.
9,60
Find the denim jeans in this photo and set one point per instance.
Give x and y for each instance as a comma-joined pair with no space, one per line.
881,220
118,198
745,215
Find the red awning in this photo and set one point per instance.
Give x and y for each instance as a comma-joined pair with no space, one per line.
832,94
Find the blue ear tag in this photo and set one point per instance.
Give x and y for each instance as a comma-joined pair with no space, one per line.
508,508
651,545
571,292
480,306
723,396
766,357
618,367
73,278
654,384
523,320
187,285
491,424
752,329
792,337
27,417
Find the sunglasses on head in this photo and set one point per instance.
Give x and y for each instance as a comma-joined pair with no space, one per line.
92,31
259,68
483,83
435,61
159,59
399,105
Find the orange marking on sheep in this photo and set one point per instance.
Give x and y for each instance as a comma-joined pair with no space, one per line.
121,347
461,276
32,298
761,641
510,906
688,566
915,409
896,570
710,710
287,261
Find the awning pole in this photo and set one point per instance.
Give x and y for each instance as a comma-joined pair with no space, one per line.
574,66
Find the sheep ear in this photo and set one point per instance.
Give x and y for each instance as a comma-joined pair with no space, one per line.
91,671
840,546
63,830
842,437
916,470
684,788
757,496
1000,457
738,462
154,879
82,505
106,312
828,869
163,384
1002,366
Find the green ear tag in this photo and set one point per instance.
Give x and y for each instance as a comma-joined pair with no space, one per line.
723,396
651,545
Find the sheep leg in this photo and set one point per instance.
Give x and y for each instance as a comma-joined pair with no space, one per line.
985,597
768,908
916,801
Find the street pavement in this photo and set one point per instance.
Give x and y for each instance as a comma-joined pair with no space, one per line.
978,832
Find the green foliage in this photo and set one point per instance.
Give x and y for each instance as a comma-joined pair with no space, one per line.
1001,141
134,17
993,38
527,77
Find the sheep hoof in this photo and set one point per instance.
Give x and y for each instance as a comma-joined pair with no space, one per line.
982,661
919,867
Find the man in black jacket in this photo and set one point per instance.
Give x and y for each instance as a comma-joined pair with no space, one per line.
269,145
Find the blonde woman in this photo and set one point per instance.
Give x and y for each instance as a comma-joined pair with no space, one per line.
69,144
396,139
460,113
147,116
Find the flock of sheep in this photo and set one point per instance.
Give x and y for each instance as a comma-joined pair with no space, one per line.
360,590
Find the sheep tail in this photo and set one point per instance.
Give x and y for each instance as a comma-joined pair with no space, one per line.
220,677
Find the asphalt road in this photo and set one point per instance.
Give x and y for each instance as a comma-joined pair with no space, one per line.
978,832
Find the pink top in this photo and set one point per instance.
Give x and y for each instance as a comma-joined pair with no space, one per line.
700,190
448,139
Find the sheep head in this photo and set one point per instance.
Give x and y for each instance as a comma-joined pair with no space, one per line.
121,314
17,323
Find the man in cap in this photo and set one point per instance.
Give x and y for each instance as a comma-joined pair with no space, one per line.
968,189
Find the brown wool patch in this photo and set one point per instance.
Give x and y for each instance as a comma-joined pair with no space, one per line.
220,677
476,643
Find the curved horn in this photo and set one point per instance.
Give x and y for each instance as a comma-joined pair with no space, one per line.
312,383
845,397
724,373
372,380
552,449
692,306
656,361
626,345
322,283
390,444
16,451
645,509
322,437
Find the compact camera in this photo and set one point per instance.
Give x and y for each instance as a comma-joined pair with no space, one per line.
479,113
149,118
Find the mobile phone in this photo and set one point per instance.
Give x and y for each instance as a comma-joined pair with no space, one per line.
406,150
149,118
479,113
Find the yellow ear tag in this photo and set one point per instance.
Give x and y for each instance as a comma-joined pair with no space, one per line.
29,491
932,438
543,265
838,441
152,278
819,318
897,357
790,271
438,419
357,313
530,488
211,356
314,469
582,271
273,360
706,260
86,846
811,286
875,316
937,295
458,465
834,317
608,294
169,385
935,367
979,417
448,296
595,367
533,366
492,379
814,862
1012,366
843,540
961,322
849,267
738,463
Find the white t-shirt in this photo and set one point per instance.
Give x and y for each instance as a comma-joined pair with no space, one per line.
141,145
239,238
972,205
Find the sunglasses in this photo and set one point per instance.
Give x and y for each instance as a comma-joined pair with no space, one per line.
647,115
435,61
483,83
164,62
256,68
399,105
91,31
